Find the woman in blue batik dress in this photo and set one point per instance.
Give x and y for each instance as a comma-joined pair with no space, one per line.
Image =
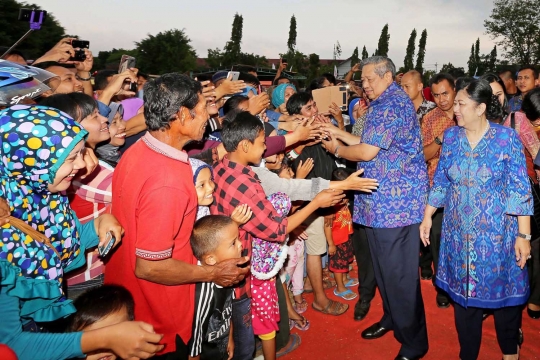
482,183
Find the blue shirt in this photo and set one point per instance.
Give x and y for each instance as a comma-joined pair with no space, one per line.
515,103
400,166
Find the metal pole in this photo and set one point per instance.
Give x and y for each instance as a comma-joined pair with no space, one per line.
17,43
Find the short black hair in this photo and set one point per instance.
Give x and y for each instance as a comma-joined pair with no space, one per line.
247,68
530,67
341,173
330,77
143,75
243,126
205,236
493,78
281,77
480,92
77,105
101,79
204,77
531,104
507,73
164,96
97,303
297,101
436,79
233,102
249,79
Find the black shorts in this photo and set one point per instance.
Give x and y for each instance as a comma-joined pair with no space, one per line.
339,262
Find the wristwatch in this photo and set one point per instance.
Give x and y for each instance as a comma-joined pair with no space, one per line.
83,79
336,151
527,237
438,141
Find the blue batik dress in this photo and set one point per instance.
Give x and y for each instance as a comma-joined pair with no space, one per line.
482,191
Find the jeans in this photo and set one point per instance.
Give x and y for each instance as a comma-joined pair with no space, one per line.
244,340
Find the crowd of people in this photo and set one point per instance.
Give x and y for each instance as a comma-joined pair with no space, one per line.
186,219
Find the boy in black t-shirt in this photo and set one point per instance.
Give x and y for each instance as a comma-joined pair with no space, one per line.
214,239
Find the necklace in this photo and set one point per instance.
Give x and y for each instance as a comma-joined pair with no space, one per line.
481,137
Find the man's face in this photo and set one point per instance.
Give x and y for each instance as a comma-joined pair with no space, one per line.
196,124
16,58
283,81
444,94
526,81
140,83
372,83
310,109
411,86
68,83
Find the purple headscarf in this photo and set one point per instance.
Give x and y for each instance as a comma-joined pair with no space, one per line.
131,106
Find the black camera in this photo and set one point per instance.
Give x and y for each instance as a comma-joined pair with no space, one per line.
80,55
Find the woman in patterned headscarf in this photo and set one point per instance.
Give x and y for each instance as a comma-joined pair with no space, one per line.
42,150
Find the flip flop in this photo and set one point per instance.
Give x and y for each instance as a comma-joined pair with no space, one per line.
295,323
351,282
334,308
346,295
294,342
300,307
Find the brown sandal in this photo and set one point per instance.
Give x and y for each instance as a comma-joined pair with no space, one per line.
333,308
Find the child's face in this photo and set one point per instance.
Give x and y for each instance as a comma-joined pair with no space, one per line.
204,186
257,149
111,319
286,173
67,171
117,129
230,246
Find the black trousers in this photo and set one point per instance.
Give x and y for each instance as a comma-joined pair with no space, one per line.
366,276
534,272
469,329
395,261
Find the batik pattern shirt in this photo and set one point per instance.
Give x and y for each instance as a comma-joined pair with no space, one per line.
424,108
482,191
515,103
400,167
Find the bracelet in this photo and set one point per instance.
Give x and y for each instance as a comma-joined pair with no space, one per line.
293,155
438,141
83,79
336,151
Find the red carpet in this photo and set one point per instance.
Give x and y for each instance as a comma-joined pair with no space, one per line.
331,337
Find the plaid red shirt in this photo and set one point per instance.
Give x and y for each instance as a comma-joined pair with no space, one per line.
235,185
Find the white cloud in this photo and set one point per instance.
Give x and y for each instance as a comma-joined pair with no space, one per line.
452,25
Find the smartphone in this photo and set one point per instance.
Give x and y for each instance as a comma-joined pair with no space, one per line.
104,250
26,15
80,44
235,75
284,61
126,62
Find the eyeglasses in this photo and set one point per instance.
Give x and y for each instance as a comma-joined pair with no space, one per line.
445,95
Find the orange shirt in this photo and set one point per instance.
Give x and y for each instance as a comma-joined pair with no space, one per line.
433,124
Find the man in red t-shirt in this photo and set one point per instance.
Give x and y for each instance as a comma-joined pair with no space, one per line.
155,201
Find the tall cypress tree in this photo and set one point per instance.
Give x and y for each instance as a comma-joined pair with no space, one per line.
384,42
492,58
291,43
421,52
365,54
408,62
472,62
477,59
233,47
354,57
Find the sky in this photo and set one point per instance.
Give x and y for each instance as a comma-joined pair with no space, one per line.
452,25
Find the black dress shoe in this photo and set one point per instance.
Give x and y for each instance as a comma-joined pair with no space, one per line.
533,314
442,301
375,331
426,274
401,357
361,309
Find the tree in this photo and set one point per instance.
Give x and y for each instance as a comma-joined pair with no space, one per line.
314,64
408,62
421,52
454,71
365,54
11,30
168,51
354,57
384,42
233,48
291,43
515,25
492,60
472,62
337,50
477,58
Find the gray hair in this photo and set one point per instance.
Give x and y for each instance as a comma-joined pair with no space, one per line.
382,64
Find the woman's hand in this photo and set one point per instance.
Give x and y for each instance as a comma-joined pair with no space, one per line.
523,251
425,229
108,223
133,340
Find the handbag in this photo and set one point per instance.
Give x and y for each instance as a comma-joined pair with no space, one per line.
33,233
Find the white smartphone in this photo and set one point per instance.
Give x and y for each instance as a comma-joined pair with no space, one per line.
235,75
